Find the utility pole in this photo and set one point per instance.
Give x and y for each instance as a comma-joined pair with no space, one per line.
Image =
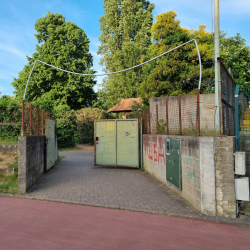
216,55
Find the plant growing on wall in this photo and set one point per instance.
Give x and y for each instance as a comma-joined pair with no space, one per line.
161,127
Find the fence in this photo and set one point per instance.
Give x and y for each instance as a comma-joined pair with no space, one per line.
242,122
173,115
31,121
227,99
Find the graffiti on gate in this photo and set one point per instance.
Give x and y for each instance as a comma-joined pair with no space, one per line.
154,148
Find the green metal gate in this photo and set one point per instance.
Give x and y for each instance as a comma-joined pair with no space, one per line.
173,166
117,142
51,144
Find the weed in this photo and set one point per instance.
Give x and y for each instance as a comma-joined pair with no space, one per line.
9,183
161,126
1,159
243,207
67,149
8,141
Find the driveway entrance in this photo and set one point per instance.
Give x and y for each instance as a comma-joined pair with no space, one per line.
75,179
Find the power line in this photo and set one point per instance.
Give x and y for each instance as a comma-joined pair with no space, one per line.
112,73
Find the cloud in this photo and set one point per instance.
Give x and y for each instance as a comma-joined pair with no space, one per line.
95,55
6,74
13,50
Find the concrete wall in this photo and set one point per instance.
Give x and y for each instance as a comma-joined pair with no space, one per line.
31,160
188,111
224,165
10,149
199,166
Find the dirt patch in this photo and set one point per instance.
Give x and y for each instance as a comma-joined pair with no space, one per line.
85,146
6,159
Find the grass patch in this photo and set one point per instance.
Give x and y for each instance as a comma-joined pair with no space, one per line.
209,132
67,149
1,159
193,132
243,207
8,141
9,183
61,158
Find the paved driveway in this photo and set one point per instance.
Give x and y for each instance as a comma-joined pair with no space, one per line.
75,179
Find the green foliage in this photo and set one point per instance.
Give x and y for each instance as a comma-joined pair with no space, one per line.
176,73
85,123
161,126
137,107
10,111
9,183
236,55
125,38
64,45
65,126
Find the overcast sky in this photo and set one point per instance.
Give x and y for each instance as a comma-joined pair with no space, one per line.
17,19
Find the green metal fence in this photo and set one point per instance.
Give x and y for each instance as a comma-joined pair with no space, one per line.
242,122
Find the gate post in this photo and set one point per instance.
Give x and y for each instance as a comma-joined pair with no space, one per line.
236,106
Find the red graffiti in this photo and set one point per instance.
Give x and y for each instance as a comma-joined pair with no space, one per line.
155,147
163,151
150,148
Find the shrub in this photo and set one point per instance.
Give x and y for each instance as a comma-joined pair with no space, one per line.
85,123
65,126
10,111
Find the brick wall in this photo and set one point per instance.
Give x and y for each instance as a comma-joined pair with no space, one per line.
31,160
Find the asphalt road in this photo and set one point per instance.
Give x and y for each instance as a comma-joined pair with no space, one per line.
35,224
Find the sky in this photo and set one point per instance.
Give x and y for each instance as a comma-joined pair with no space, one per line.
18,17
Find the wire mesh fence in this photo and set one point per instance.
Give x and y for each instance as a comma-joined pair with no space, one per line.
26,120
84,133
173,115
228,101
10,120
244,124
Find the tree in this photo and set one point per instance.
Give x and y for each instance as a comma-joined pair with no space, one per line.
64,45
125,38
176,73
236,55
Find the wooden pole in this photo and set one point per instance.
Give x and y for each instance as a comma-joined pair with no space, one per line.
167,117
30,119
149,122
198,112
42,122
37,122
180,115
23,102
157,118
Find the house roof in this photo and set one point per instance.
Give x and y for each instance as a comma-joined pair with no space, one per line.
124,105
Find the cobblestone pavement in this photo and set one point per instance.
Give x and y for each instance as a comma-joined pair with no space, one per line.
75,179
